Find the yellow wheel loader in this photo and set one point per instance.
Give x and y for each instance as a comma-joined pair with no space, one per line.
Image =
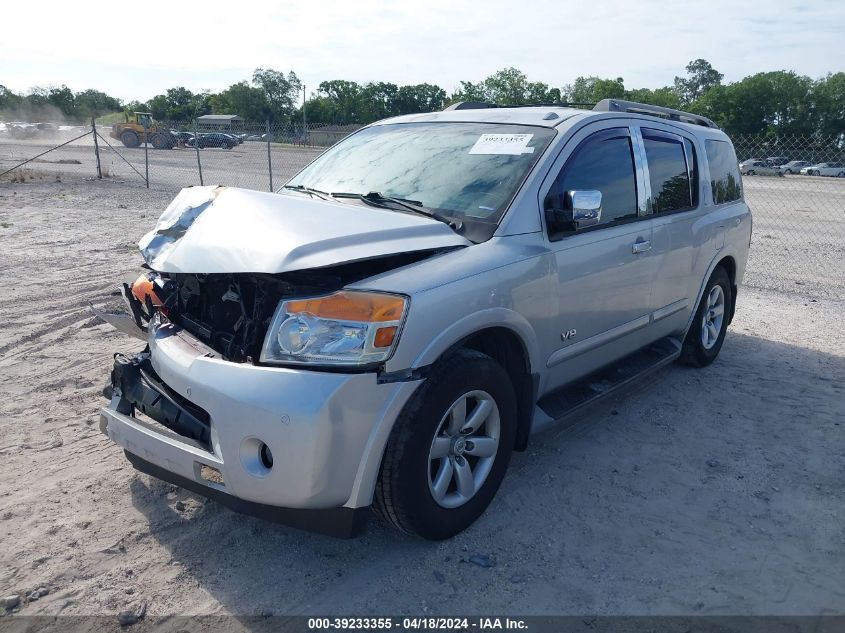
141,128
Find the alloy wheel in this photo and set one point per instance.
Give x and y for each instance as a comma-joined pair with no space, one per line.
714,314
464,449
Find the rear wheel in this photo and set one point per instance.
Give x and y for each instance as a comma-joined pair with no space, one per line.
707,332
450,448
130,139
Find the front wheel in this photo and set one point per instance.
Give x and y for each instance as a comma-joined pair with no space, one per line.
710,324
450,448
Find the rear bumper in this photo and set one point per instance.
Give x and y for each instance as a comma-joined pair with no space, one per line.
326,432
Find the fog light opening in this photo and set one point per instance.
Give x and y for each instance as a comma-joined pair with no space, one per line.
265,456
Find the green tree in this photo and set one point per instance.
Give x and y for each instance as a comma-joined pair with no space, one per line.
701,77
242,99
63,99
419,98
828,96
281,92
93,103
343,100
776,102
378,101
594,89
9,100
469,92
665,97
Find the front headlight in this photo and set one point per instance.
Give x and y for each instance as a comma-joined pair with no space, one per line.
349,328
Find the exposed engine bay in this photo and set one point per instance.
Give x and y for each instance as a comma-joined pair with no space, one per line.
231,312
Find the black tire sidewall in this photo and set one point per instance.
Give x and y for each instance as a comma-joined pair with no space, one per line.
702,355
427,518
133,139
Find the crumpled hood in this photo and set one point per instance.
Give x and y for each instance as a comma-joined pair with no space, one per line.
229,230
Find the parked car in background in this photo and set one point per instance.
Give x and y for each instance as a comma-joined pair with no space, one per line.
825,169
758,168
389,336
793,166
182,138
213,139
777,161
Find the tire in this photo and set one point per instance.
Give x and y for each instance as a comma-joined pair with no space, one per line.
788,171
697,352
406,494
841,174
130,139
750,172
160,141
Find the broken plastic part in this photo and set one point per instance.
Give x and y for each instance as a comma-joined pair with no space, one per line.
121,321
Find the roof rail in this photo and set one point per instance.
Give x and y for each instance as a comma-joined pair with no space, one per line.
470,105
619,105
482,105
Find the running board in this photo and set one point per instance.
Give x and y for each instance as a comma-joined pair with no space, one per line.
606,381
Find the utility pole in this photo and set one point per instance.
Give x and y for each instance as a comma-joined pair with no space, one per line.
304,124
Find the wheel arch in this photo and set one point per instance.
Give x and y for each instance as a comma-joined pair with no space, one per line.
728,263
506,347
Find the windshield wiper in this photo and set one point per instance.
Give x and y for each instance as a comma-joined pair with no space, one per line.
415,206
323,195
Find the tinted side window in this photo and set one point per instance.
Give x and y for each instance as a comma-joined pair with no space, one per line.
724,175
667,167
603,162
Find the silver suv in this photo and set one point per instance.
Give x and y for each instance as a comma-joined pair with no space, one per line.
388,327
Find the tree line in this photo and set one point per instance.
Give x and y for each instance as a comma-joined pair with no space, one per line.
777,102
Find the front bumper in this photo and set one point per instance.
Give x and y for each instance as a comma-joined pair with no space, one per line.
326,432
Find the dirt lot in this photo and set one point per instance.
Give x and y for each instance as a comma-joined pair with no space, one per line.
715,491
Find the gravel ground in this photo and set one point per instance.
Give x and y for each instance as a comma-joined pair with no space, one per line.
715,491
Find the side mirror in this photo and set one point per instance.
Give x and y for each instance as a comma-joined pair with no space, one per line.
582,208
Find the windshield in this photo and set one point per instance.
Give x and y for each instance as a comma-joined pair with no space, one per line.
466,171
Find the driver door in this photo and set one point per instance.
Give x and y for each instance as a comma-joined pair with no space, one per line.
603,272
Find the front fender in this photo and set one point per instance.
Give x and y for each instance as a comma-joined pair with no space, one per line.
475,322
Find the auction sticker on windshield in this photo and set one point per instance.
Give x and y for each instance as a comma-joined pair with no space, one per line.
508,144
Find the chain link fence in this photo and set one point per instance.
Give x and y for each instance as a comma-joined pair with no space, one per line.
798,244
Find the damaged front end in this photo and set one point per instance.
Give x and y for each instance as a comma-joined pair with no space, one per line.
263,362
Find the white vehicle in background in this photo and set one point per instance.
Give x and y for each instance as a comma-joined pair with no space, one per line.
794,166
825,169
758,168
777,161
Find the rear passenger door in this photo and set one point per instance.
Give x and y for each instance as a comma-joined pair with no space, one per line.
685,238
604,272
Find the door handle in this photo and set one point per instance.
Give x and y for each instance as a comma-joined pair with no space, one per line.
641,247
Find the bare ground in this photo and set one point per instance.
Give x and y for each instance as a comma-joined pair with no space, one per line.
715,491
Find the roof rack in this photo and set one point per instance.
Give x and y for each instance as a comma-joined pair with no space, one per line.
482,105
618,105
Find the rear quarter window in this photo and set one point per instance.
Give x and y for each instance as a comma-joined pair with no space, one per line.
725,182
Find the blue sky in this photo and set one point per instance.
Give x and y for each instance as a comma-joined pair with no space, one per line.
212,44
